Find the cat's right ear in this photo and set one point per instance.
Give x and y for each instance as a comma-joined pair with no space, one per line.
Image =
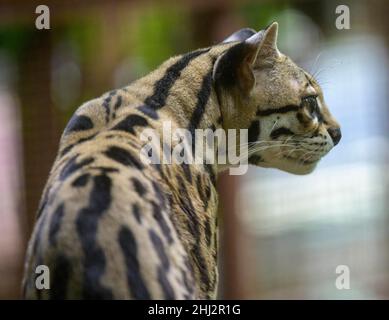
234,68
268,50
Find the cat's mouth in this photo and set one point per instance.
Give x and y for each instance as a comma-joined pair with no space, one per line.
303,156
298,159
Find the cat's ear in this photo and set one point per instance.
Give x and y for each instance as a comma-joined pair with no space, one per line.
240,35
268,50
234,68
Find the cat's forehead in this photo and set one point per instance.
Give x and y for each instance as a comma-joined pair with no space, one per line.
293,69
299,75
285,70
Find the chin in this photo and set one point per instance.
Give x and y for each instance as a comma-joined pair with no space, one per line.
290,166
297,168
301,170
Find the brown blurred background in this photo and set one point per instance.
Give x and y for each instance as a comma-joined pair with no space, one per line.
283,235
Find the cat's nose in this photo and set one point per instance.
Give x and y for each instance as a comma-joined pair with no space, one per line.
335,134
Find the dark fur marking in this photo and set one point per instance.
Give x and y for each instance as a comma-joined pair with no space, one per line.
165,264
280,131
55,223
106,107
72,166
135,281
187,206
254,131
148,111
201,188
136,212
202,100
160,194
130,122
105,170
162,87
193,225
159,247
139,187
86,224
189,268
255,159
81,180
187,172
79,123
71,146
106,104
67,149
208,232
165,284
226,73
285,109
199,185
158,167
207,196
211,172
59,278
207,192
118,103
301,119
201,265
159,217
123,156
188,284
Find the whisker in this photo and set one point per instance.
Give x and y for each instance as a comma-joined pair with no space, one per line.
261,148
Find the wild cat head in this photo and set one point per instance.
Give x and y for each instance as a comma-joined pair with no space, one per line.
259,88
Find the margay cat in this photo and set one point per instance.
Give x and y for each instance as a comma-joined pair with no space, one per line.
111,227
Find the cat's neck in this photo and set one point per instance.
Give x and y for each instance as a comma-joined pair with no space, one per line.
183,90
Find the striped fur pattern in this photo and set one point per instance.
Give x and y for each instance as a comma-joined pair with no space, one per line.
112,227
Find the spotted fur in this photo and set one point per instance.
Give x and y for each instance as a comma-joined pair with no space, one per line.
110,226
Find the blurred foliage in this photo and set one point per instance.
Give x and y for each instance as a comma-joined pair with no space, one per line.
84,34
159,33
258,17
15,38
145,36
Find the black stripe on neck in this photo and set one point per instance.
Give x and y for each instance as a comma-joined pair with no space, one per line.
162,87
202,100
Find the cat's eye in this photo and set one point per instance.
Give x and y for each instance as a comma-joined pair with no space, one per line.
311,103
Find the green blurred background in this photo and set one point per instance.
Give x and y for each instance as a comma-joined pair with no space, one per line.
282,236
